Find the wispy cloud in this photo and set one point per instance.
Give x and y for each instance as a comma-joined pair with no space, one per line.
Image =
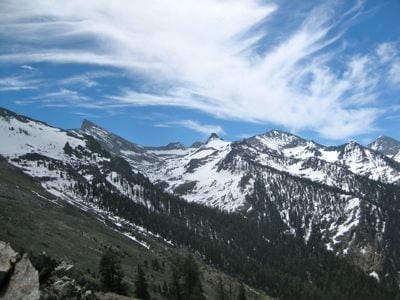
389,54
394,72
386,51
18,83
83,80
87,79
85,114
65,94
27,67
205,56
204,129
60,98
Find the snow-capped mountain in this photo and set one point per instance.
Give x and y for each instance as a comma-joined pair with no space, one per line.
312,190
213,173
70,165
345,198
117,145
388,146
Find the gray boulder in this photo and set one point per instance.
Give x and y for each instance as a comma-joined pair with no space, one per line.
8,258
24,282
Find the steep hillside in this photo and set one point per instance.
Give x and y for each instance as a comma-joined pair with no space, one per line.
34,220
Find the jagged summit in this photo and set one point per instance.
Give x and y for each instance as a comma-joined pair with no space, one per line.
197,144
212,137
386,145
281,135
274,132
175,145
86,124
5,113
350,147
169,146
112,142
352,143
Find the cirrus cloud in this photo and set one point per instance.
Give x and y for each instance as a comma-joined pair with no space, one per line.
205,55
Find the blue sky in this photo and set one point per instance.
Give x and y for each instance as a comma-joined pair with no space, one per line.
159,71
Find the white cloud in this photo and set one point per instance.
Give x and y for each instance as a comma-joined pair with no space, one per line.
386,51
85,114
389,54
204,52
204,129
83,80
394,72
18,83
160,125
63,98
87,79
27,67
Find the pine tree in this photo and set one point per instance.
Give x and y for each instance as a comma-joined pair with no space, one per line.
68,149
175,291
241,293
193,288
155,265
141,291
221,292
111,273
165,288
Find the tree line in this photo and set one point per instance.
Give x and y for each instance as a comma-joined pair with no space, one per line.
185,281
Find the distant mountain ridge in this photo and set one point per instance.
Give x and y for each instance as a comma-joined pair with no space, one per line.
343,198
228,175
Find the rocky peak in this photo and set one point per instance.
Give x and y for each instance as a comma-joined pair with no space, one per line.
196,145
213,137
351,147
109,141
283,136
175,145
86,124
386,145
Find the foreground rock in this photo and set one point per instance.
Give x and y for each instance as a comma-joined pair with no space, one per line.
45,279
24,282
62,285
8,258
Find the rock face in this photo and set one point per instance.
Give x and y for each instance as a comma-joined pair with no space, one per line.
24,282
8,258
61,285
386,145
20,280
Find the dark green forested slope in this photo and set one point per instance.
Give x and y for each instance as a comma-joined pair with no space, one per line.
254,250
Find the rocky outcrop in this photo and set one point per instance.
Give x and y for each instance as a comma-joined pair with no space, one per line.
24,282
62,285
65,288
8,258
20,280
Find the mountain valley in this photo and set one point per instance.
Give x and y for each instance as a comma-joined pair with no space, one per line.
287,216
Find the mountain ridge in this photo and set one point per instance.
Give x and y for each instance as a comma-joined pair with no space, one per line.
224,174
387,145
269,133
278,180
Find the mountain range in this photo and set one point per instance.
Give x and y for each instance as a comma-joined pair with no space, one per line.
342,200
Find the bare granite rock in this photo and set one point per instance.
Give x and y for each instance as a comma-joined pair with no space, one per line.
8,258
24,282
